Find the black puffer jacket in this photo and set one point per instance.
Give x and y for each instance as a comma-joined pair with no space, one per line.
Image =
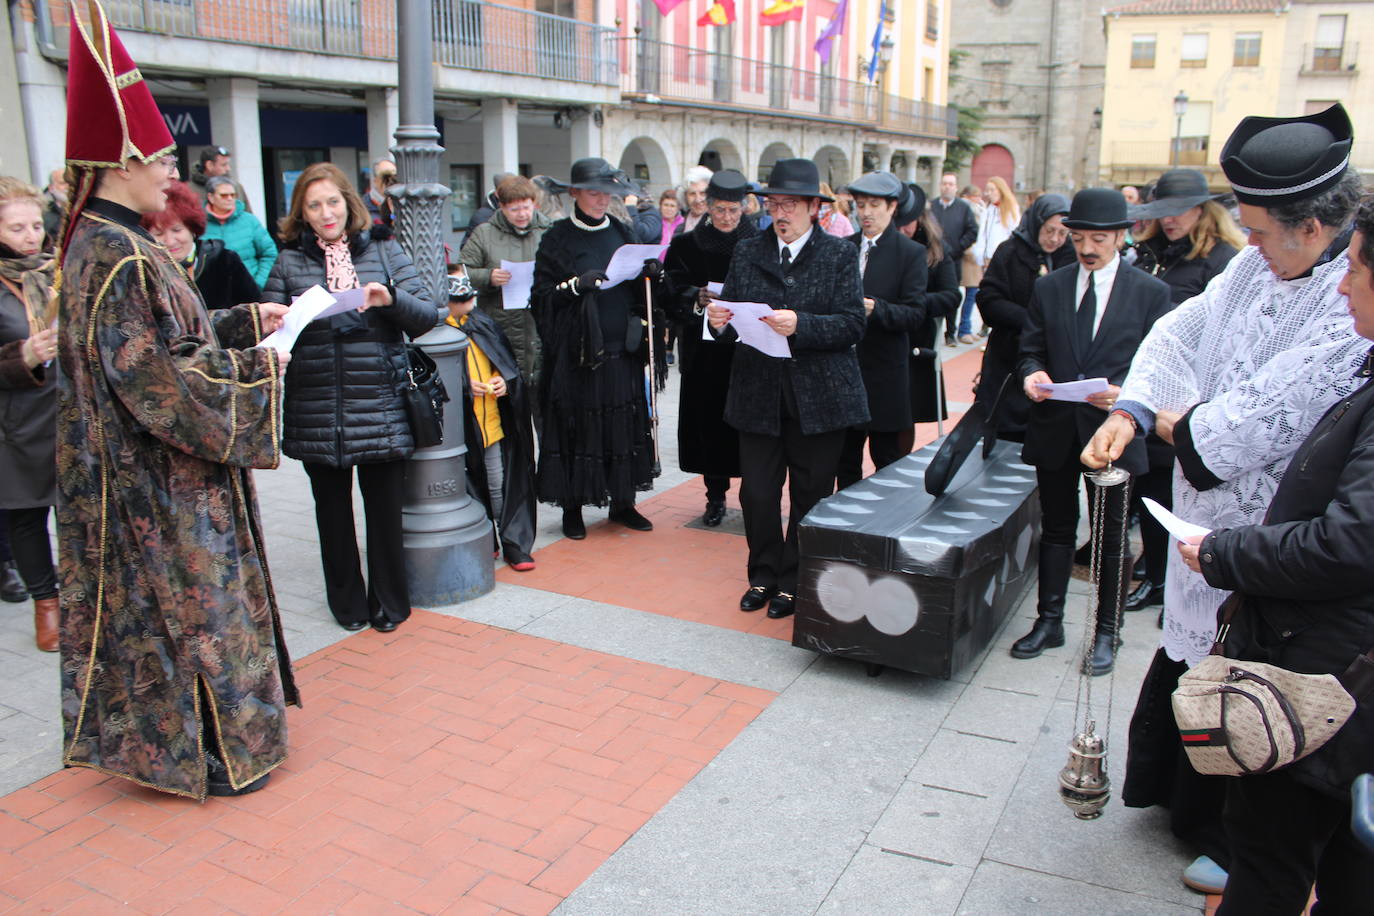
1305,579
1169,262
343,405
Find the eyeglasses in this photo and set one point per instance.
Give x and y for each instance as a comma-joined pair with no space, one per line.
725,209
784,204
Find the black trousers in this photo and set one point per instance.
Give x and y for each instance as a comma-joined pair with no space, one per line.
1059,519
1158,484
884,447
716,486
383,488
808,463
1285,836
32,549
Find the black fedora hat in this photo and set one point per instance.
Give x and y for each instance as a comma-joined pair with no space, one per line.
727,185
1275,161
1098,209
910,205
878,184
795,178
1177,191
596,174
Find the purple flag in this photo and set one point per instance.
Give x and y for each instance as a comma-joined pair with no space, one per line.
832,30
666,6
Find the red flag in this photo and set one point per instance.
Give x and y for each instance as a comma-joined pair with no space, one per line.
780,11
722,12
666,6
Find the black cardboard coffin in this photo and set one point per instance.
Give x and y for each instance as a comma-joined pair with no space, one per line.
891,575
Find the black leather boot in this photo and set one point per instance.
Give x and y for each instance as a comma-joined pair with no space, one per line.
11,586
1056,565
1114,581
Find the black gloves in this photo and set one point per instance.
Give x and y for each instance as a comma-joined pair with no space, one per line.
653,269
577,286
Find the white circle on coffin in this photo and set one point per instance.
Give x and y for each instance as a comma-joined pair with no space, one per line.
892,607
843,591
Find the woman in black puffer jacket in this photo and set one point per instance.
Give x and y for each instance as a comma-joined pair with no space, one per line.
343,406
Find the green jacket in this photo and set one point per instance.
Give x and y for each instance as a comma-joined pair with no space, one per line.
246,237
487,246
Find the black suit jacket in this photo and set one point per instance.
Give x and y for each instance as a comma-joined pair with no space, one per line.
1056,431
822,286
896,282
958,224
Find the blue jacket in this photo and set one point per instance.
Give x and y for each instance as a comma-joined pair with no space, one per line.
247,238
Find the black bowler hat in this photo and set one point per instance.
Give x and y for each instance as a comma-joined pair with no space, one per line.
910,205
878,184
795,178
1177,191
1099,210
1275,161
596,174
727,185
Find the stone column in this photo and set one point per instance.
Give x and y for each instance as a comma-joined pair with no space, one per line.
500,139
382,119
234,125
587,133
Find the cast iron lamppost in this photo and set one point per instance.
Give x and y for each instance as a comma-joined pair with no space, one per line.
447,536
1180,109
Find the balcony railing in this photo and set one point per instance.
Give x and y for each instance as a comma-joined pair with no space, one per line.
469,34
678,73
1330,61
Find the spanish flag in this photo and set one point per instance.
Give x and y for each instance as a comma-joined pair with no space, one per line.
722,12
780,11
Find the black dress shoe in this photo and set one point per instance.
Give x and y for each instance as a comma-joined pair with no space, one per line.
755,598
354,626
11,586
1146,594
384,624
714,514
1044,634
629,517
573,526
781,605
1138,569
1103,659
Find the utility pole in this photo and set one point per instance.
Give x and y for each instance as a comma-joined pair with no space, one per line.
447,535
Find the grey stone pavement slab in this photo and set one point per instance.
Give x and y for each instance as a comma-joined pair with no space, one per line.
848,795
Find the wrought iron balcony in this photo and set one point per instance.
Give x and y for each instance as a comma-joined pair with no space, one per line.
677,73
1339,60
469,34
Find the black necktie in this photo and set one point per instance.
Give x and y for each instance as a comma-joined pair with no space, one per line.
1087,314
785,258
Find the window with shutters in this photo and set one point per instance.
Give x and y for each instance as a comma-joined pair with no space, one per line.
1193,51
1142,52
1247,50
1329,46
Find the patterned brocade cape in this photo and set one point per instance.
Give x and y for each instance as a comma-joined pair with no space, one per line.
1259,360
165,591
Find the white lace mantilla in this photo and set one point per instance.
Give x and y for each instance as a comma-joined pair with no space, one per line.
1263,359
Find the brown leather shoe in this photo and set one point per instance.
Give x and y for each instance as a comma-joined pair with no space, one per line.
46,622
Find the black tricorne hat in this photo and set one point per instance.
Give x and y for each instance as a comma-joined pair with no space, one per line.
1099,210
910,205
794,177
596,174
1275,161
1177,191
878,184
727,185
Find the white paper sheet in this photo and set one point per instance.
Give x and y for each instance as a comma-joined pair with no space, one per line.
746,318
1176,526
516,293
314,303
1074,391
714,288
628,263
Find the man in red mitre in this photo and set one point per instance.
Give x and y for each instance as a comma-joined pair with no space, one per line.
174,673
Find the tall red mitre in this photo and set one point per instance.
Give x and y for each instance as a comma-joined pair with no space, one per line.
111,115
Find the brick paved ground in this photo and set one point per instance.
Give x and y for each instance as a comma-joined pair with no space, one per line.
553,747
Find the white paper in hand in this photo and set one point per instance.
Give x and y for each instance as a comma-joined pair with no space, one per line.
516,293
714,289
314,303
1074,391
628,263
747,320
1176,526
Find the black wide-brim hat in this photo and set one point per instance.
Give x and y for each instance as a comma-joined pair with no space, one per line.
794,178
878,184
596,174
728,186
1177,191
1275,161
910,205
1099,210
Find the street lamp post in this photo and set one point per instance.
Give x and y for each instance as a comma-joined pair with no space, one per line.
1180,109
446,533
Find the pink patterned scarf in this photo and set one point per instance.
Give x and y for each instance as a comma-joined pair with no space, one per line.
338,265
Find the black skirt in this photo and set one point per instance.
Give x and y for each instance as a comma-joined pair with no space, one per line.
1158,771
596,448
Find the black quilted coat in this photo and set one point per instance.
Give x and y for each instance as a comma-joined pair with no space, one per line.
343,405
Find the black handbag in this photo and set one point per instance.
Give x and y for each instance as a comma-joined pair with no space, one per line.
424,395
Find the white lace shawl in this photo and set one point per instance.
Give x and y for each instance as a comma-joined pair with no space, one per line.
1263,359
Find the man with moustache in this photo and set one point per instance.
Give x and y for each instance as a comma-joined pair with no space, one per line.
894,274
1235,378
791,413
1084,321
